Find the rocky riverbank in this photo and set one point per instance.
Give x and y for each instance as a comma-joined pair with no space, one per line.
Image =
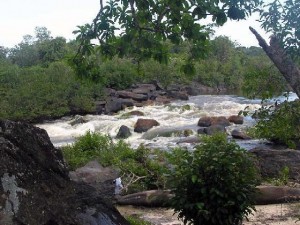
146,94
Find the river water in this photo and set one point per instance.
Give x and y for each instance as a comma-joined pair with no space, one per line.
173,118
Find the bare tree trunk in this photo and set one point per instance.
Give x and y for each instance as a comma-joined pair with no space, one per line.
282,61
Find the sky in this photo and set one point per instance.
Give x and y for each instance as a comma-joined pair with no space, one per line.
20,17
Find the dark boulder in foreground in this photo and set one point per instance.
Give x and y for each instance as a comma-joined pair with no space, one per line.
35,187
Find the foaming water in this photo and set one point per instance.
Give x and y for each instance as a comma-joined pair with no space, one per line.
173,118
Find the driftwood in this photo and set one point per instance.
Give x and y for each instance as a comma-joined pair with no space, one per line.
153,198
281,59
161,198
276,194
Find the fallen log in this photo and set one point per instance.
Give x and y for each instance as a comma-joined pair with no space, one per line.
152,198
276,194
161,198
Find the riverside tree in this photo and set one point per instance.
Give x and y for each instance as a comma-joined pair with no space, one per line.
138,28
282,20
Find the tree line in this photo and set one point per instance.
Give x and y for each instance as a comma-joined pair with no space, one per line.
40,79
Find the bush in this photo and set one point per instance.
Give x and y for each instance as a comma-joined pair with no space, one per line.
215,184
138,165
281,125
37,92
118,73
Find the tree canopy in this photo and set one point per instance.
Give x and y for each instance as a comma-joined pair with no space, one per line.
137,28
282,19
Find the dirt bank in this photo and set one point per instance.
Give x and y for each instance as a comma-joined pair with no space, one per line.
276,214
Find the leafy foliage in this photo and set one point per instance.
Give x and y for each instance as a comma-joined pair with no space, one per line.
139,164
37,92
37,83
215,184
143,26
263,81
280,124
39,50
281,18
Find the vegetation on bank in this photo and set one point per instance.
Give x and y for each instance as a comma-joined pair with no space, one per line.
279,123
215,184
39,79
143,165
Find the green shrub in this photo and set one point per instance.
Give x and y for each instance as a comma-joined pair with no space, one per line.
139,165
215,184
118,73
37,92
281,125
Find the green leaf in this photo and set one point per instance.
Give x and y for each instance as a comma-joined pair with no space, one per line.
194,178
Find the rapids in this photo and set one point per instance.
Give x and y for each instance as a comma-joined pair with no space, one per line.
173,118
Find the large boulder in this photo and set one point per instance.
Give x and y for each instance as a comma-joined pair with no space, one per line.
272,161
35,187
114,105
196,88
204,121
142,125
144,89
182,95
131,95
97,176
207,121
236,119
213,129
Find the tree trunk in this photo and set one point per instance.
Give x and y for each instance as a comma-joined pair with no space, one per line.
282,61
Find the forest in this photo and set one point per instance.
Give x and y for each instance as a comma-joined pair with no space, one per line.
218,181
39,79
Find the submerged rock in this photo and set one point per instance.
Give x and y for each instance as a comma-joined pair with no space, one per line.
213,129
77,120
207,121
35,187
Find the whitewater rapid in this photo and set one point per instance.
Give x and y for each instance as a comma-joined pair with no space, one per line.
176,116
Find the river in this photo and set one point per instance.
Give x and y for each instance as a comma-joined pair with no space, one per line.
173,118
